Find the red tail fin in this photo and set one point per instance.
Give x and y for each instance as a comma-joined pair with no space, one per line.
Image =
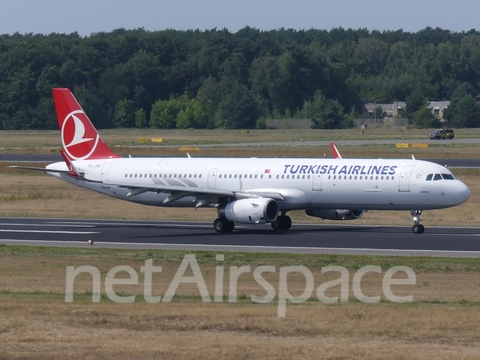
80,139
335,152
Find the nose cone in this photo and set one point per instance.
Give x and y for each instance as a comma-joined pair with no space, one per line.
461,193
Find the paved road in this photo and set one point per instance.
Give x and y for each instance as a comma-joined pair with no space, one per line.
341,239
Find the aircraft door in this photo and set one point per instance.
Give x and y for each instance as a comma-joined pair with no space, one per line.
105,169
212,178
404,182
317,182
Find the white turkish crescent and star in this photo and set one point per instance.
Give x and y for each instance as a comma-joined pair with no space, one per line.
79,132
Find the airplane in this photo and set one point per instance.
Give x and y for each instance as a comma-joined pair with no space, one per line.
250,190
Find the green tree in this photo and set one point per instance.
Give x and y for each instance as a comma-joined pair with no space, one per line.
164,114
238,109
423,118
140,118
125,113
467,113
458,99
325,113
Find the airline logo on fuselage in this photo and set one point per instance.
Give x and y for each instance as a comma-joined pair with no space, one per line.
340,170
79,138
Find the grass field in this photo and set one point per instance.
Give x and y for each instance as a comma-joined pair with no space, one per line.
441,322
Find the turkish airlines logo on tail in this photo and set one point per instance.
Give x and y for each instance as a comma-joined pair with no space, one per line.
79,138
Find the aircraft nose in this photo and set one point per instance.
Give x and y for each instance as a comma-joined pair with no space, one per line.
462,192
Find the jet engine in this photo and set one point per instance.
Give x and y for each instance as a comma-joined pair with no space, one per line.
335,214
255,210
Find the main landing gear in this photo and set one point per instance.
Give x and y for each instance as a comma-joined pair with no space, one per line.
223,225
417,228
283,222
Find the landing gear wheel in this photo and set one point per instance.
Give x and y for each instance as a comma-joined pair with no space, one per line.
282,222
277,224
287,222
223,225
417,228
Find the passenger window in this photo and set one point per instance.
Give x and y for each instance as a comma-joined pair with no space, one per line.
126,175
429,177
437,177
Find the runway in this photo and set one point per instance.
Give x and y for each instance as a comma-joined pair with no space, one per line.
327,239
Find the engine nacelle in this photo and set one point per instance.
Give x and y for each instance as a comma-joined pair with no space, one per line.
248,211
335,214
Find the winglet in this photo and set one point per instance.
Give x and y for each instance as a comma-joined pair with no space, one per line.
71,168
336,153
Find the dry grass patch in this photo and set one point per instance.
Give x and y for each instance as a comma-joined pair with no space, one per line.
442,322
43,329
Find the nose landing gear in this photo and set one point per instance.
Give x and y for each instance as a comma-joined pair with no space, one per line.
417,228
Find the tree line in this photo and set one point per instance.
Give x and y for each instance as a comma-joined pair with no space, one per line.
216,78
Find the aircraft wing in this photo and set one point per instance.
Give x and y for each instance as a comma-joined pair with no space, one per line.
39,169
203,196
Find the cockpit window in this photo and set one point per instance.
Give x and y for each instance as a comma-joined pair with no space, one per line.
429,177
437,177
448,177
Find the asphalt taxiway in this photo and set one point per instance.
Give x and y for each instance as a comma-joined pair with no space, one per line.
338,239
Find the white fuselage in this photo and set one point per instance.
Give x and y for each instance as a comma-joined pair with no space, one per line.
303,183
